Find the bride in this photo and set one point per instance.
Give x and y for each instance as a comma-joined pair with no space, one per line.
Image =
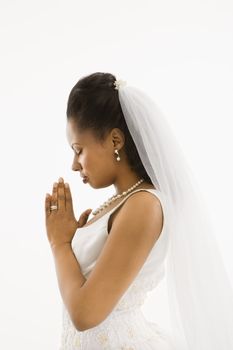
155,226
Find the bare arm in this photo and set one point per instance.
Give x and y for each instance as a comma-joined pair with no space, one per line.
69,276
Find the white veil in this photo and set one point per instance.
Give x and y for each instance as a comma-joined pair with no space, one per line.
200,294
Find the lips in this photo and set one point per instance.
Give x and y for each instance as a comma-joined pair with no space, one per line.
84,178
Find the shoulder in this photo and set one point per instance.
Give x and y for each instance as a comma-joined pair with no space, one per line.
143,198
143,204
144,210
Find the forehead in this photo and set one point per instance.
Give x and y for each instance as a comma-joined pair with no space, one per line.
75,135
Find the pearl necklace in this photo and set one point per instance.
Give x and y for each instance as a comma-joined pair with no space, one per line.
116,196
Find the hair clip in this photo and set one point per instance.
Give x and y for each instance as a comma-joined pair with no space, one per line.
119,83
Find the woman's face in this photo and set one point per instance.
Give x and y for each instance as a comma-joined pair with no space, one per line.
94,159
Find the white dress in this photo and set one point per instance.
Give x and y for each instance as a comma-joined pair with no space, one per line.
126,327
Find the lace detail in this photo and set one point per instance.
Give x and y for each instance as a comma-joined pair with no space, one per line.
127,330
125,324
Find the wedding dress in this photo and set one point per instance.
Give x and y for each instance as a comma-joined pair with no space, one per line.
200,295
126,327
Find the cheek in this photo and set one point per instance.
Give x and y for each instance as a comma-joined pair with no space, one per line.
98,159
90,161
108,164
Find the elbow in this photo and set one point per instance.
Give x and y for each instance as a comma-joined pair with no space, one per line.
80,327
85,315
83,323
79,324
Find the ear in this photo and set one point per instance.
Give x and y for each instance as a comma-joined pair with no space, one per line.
118,138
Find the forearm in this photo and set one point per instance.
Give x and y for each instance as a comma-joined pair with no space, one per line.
69,276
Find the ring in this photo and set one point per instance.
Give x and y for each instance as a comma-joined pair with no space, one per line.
53,207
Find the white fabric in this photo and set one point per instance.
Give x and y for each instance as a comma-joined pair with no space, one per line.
125,328
199,289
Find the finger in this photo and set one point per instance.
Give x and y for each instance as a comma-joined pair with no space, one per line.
69,202
84,217
54,194
53,198
47,204
61,196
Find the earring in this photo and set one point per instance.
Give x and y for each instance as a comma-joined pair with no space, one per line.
117,153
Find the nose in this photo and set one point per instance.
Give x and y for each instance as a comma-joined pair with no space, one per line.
76,166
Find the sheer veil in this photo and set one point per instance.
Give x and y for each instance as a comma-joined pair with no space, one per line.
200,294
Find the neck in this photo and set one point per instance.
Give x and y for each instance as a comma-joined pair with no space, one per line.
124,184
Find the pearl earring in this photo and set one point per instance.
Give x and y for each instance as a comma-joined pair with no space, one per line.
117,153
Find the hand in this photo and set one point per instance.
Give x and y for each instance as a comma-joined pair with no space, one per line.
61,223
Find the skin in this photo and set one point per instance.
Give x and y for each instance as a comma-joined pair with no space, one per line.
135,228
97,160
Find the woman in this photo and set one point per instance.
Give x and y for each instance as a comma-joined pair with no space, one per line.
106,266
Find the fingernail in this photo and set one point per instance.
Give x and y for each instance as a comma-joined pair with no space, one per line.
66,185
60,179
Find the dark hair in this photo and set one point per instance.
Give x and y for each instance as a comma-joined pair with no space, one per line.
93,102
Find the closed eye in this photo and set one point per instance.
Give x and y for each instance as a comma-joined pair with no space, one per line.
77,152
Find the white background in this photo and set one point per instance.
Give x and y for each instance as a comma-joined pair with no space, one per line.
179,52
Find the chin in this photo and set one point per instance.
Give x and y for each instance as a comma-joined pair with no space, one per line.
97,185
